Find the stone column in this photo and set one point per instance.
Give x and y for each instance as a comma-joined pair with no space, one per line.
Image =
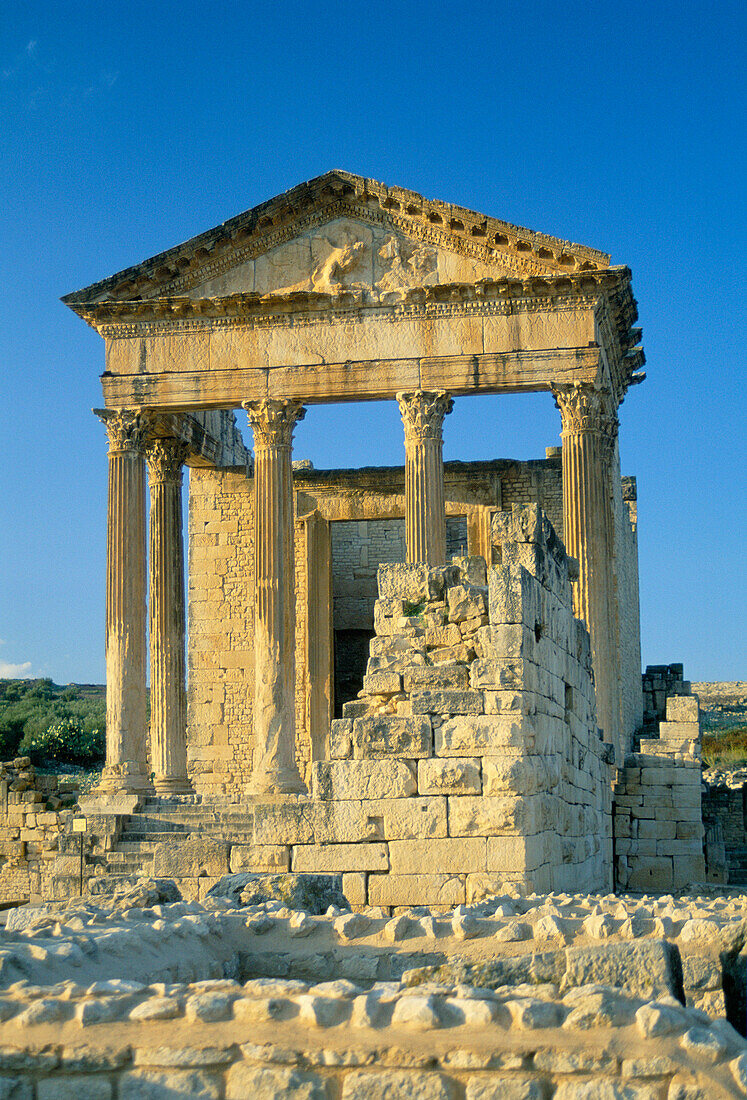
168,747
425,506
274,767
126,762
589,431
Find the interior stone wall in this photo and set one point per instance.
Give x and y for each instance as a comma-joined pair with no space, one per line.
364,510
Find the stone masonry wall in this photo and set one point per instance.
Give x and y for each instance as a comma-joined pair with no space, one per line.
658,816
474,741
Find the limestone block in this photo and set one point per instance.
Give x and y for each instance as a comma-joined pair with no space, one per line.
514,596
447,702
282,822
340,857
409,818
679,731
518,702
414,583
519,775
340,738
466,602
451,775
272,1083
514,854
151,1084
343,780
354,888
683,708
259,857
494,816
486,735
389,1083
384,735
408,857
382,683
509,674
190,858
437,637
419,889
453,677
638,966
62,1088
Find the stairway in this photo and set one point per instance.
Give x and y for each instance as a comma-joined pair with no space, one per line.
163,819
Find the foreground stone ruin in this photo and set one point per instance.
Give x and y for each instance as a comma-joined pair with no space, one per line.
567,996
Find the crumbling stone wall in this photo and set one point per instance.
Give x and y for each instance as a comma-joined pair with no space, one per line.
33,816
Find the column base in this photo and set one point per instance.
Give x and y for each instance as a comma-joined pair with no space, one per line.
125,778
171,785
280,781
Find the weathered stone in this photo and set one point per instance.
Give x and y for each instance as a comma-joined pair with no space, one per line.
270,858
151,1084
416,889
243,1081
452,775
486,735
504,1088
345,780
449,856
311,892
388,1084
442,677
447,702
191,858
69,1088
651,966
383,736
340,857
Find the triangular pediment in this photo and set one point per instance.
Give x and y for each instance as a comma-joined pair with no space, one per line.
340,233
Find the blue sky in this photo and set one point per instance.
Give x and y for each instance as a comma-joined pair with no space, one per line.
128,129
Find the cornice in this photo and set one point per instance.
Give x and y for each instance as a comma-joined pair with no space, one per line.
505,295
336,194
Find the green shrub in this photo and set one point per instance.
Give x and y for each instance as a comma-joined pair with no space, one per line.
65,742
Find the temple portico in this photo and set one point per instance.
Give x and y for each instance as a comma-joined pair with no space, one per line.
309,303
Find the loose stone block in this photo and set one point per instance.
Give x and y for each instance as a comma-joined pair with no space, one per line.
452,775
420,889
382,683
342,780
679,731
341,857
190,858
382,736
641,966
413,583
408,857
259,857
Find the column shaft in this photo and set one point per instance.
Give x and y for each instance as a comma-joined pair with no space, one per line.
589,423
425,505
167,631
126,764
274,768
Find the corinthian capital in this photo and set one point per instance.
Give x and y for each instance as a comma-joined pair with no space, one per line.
423,414
125,427
165,458
273,421
587,407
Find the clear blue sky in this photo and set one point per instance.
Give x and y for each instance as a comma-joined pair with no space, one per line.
128,128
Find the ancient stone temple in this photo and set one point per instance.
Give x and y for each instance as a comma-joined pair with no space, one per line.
392,669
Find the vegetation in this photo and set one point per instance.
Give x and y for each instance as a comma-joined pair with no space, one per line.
725,749
52,724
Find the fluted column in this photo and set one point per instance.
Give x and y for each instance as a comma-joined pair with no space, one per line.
168,747
423,415
274,768
589,418
126,762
